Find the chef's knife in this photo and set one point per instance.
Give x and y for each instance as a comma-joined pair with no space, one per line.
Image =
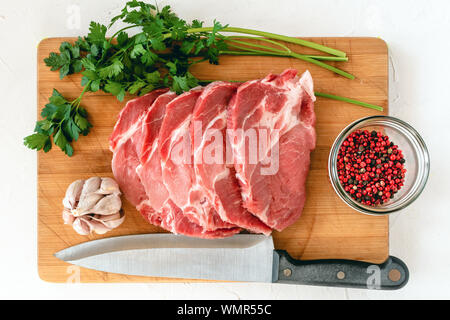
243,257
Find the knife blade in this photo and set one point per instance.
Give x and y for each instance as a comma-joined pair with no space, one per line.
243,257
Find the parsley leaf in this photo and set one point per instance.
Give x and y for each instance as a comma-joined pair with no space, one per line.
63,120
116,89
136,86
55,61
88,64
97,33
138,50
112,70
38,141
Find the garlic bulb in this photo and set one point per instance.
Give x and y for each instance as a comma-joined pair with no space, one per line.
93,205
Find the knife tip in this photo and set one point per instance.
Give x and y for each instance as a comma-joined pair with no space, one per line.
58,255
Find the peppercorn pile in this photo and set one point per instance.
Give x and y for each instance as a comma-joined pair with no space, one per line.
371,167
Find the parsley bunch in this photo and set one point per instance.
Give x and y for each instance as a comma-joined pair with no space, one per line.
64,120
160,54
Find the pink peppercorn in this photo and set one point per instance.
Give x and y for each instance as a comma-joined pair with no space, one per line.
371,167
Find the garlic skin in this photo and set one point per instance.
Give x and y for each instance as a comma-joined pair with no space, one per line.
93,205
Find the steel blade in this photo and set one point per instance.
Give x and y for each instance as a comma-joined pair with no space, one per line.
243,257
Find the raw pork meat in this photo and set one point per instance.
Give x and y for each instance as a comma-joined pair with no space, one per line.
216,178
159,209
177,167
189,164
125,152
282,107
131,143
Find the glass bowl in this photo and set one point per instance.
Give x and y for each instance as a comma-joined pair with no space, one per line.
417,163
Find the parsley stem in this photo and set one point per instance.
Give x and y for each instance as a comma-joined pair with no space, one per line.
323,65
353,101
286,39
123,29
274,36
327,58
249,53
304,58
257,51
77,102
286,53
260,39
280,52
258,46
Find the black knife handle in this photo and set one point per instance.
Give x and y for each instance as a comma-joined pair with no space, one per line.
390,275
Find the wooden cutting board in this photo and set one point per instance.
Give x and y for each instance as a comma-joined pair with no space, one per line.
327,227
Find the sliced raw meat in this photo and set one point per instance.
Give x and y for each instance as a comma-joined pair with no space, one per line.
215,177
172,219
177,167
172,155
131,142
150,169
134,146
128,118
126,153
124,164
279,109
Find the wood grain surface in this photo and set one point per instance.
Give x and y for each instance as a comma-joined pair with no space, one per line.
327,228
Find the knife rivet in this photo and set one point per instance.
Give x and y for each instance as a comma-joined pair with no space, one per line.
394,275
287,272
340,275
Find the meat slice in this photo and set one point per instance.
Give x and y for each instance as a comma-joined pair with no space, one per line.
135,145
124,163
177,163
127,122
215,176
160,209
279,110
125,153
149,170
172,219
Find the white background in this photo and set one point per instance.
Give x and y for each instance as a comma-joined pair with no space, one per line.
417,33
